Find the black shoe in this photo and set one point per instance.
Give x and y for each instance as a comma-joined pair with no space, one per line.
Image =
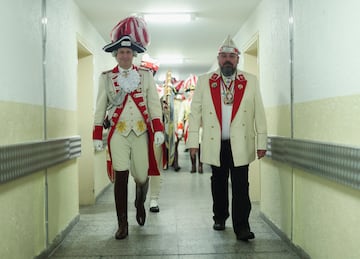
155,209
245,235
219,226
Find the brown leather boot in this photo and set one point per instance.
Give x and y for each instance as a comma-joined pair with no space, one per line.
200,166
121,199
193,164
141,191
176,158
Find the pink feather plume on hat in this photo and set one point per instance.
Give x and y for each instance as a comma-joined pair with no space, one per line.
133,26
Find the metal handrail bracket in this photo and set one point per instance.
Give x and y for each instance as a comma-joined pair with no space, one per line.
335,162
22,159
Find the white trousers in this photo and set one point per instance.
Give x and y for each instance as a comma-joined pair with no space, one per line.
156,181
130,153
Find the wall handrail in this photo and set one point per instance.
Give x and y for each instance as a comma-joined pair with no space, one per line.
339,163
25,158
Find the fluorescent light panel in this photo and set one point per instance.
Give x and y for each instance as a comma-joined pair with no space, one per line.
168,17
170,60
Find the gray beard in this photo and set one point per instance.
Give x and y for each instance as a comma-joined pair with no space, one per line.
228,70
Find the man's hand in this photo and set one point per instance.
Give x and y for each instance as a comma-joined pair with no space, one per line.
179,133
261,153
165,105
98,145
158,138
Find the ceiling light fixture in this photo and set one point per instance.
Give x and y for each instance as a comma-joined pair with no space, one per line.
168,17
170,60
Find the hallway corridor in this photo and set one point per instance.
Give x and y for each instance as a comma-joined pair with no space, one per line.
182,229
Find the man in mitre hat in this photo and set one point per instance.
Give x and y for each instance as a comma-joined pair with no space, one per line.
231,122
128,104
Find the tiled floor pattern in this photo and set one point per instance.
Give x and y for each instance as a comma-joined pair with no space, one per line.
182,229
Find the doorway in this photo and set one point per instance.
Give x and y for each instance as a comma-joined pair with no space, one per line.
85,122
251,65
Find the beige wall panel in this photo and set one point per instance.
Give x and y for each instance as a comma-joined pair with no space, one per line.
276,178
329,214
334,120
63,196
324,210
100,174
21,122
278,121
276,194
63,182
61,123
22,217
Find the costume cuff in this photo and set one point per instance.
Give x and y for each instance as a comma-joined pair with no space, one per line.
97,132
157,125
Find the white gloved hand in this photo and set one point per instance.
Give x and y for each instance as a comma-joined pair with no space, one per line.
158,138
98,145
179,133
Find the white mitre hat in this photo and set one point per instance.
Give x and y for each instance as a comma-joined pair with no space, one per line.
228,46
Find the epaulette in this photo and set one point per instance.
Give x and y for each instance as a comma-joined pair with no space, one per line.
241,77
107,71
214,76
144,68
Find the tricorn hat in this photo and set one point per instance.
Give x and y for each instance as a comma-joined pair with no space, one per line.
228,46
130,32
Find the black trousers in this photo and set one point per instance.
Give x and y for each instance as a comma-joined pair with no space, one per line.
240,203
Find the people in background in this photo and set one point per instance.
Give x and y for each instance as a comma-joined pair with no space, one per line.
170,104
228,105
155,181
178,100
183,121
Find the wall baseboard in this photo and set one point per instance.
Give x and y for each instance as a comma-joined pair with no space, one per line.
300,252
58,240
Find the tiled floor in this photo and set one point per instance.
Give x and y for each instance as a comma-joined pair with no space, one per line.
182,229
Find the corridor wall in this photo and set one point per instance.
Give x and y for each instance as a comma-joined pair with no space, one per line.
38,102
308,79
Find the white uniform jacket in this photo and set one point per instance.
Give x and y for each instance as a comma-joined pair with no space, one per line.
144,102
248,121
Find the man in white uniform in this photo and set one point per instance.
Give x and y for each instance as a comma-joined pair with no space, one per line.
128,100
228,104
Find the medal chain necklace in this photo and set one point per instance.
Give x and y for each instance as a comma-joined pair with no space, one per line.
227,92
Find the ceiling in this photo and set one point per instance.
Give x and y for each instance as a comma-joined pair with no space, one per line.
196,41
